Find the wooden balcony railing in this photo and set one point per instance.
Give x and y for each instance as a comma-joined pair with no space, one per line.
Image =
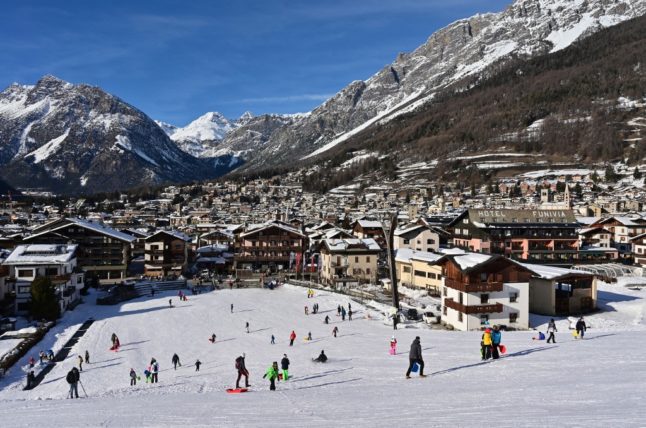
473,309
483,287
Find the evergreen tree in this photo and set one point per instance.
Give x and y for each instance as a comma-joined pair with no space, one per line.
44,303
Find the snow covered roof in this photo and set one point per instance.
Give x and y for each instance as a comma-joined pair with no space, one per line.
411,228
406,255
41,254
90,225
258,228
174,233
370,224
470,260
344,245
551,272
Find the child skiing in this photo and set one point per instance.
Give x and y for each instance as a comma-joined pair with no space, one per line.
272,375
284,365
133,377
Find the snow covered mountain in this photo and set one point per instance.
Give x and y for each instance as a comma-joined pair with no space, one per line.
201,137
78,138
464,49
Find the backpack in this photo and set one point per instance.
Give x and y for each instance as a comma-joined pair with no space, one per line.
70,378
239,363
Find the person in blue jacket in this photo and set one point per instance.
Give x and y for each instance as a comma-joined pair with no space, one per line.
496,337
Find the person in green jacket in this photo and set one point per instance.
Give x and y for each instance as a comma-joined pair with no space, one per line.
272,375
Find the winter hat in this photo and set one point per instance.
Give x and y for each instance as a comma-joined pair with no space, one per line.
487,330
416,337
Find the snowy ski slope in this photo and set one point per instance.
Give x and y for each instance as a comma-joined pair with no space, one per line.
600,381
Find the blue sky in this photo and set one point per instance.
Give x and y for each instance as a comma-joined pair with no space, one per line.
176,60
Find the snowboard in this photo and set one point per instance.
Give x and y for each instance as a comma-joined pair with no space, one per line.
237,390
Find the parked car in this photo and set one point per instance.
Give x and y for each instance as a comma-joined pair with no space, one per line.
412,314
431,318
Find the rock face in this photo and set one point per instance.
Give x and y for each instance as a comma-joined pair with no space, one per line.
77,138
464,49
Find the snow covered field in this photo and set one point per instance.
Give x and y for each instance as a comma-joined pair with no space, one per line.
600,381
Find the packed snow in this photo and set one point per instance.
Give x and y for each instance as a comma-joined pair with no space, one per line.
50,148
598,381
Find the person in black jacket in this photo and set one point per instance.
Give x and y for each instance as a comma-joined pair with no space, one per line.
284,365
415,356
242,371
175,361
31,380
73,377
321,358
581,328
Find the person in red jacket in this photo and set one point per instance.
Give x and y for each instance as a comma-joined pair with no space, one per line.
292,338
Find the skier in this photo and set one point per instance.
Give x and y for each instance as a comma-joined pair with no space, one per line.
496,337
247,326
581,328
80,363
338,311
327,319
272,375
154,370
551,329
175,361
31,380
73,378
273,340
242,371
393,346
349,314
486,344
415,356
87,357
343,314
133,377
292,337
197,365
231,307
284,365
321,358
212,339
335,330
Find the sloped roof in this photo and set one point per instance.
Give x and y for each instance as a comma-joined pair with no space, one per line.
41,254
406,255
90,225
343,245
174,233
257,228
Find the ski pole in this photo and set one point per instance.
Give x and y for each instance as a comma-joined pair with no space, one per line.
83,388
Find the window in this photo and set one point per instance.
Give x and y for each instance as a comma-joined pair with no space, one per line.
513,318
445,292
368,271
444,310
25,273
461,298
513,297
459,316
406,241
431,275
368,259
466,221
406,269
483,277
51,271
484,319
356,259
420,273
24,289
430,241
484,299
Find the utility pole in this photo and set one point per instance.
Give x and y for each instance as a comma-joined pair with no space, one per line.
391,260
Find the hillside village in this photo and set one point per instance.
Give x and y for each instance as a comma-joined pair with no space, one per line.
537,242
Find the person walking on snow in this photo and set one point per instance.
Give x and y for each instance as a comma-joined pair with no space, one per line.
154,371
335,330
273,340
393,346
80,363
73,378
486,344
338,311
496,338
327,319
343,314
307,310
198,363
349,314
551,329
272,375
31,380
247,326
87,357
292,338
231,307
415,357
212,339
284,365
581,328
175,361
242,371
133,377
170,303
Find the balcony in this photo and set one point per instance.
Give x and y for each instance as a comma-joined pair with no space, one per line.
250,258
483,287
473,309
60,279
